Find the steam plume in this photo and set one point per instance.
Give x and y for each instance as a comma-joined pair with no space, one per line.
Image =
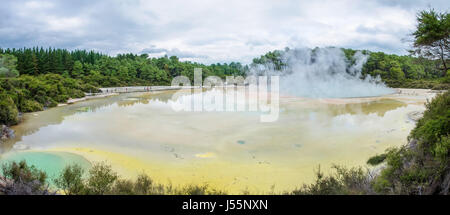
323,73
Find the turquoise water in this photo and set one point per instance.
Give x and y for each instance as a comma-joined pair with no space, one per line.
50,162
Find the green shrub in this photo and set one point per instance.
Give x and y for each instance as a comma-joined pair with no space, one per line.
61,98
442,148
8,110
89,88
31,106
343,181
51,103
25,179
70,180
433,129
22,172
381,185
123,187
377,159
446,79
143,185
101,179
421,167
445,86
34,93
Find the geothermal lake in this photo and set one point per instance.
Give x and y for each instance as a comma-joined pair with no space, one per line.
233,151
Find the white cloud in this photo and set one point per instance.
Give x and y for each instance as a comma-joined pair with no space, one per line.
210,31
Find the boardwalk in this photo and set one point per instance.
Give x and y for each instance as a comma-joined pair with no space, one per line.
141,89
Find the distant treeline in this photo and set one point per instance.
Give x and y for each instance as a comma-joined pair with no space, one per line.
99,69
102,70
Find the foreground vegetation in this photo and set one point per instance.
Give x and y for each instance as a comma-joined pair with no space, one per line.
22,179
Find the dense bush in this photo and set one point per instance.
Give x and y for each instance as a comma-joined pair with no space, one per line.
422,167
70,180
101,179
8,110
31,106
435,123
34,93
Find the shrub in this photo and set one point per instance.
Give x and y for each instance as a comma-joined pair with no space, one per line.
101,179
202,189
143,185
343,181
70,180
31,106
377,159
22,172
8,110
33,93
423,166
123,187
23,180
435,122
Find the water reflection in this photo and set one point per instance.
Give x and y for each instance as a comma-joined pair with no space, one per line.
379,107
32,122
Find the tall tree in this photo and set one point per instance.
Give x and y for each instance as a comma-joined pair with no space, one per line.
77,71
431,38
35,63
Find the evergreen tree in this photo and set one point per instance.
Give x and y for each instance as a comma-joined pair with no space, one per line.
77,71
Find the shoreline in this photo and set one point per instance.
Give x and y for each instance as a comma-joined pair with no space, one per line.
87,97
113,91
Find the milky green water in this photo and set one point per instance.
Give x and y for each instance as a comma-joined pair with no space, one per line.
233,151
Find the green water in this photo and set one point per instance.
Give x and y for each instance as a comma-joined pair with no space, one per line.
50,162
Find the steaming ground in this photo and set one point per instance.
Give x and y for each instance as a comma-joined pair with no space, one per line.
325,73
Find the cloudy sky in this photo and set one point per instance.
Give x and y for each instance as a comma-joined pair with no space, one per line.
210,31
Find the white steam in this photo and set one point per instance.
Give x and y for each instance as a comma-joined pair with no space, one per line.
323,73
